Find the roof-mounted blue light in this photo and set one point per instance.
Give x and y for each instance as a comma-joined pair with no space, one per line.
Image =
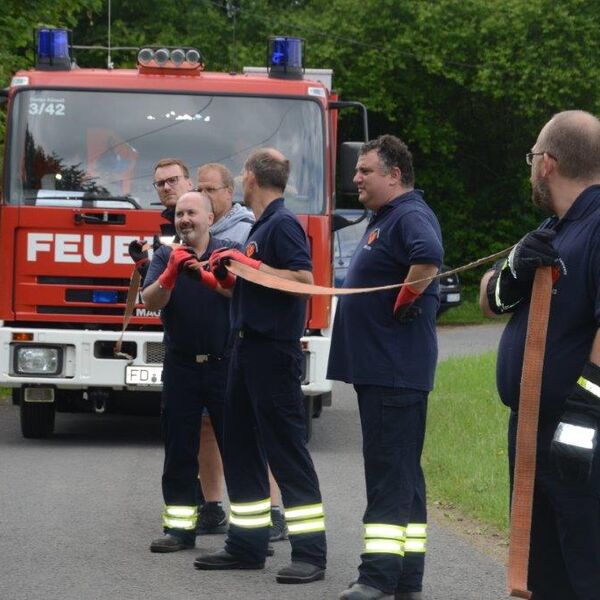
285,57
53,50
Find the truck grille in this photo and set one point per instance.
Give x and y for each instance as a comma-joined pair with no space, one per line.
155,352
77,296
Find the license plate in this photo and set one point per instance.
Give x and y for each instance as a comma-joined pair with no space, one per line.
452,297
143,376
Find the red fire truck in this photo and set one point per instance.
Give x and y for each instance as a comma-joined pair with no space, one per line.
80,149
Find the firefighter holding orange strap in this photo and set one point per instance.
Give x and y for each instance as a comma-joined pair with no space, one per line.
264,389
564,558
195,315
385,345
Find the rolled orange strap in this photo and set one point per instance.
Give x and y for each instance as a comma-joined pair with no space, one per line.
527,428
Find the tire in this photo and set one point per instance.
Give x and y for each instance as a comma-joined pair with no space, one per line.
37,419
308,415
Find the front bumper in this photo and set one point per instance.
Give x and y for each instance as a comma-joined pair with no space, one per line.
87,360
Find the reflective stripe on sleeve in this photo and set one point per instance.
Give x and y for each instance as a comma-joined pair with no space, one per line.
589,386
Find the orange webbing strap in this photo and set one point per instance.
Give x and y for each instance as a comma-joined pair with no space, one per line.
527,427
295,287
134,286
132,293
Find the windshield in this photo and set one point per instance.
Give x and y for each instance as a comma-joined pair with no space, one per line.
71,146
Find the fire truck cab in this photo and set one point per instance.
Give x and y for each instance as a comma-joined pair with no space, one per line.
81,145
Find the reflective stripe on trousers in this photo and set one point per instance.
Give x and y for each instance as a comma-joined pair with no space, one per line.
305,519
382,538
180,517
416,538
251,515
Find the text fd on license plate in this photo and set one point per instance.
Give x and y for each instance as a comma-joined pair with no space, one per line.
145,376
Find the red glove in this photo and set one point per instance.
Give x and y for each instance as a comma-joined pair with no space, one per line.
221,257
179,256
228,282
206,278
404,311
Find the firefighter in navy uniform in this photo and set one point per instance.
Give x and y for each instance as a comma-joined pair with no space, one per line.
385,345
264,389
172,180
195,316
564,559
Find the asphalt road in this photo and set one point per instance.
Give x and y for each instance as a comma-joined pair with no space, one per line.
78,511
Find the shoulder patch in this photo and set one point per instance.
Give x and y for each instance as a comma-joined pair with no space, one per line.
251,249
373,236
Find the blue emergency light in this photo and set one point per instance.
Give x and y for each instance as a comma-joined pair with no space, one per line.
285,58
53,50
104,296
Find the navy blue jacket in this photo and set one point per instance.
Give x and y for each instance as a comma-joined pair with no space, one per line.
277,239
574,312
369,346
196,319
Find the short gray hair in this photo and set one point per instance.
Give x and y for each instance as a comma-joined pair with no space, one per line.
270,170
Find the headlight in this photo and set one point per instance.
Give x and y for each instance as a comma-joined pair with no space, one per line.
38,360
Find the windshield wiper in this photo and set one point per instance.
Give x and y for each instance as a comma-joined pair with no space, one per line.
82,199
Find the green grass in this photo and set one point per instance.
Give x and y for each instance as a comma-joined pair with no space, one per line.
465,459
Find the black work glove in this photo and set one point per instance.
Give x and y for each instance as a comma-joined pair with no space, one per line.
576,437
512,280
407,313
138,250
534,250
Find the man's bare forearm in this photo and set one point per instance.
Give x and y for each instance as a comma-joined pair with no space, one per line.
155,297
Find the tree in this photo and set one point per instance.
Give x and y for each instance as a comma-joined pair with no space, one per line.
466,83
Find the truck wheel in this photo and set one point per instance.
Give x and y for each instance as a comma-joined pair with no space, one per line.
308,415
37,419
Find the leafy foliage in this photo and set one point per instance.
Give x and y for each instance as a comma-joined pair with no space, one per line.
466,83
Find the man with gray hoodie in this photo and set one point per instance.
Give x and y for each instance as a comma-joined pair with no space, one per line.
232,222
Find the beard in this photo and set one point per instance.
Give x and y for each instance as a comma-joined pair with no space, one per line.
541,195
187,236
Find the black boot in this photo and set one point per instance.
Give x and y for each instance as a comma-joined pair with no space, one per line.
223,561
300,572
359,591
170,543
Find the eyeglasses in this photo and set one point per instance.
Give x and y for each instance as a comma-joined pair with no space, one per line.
170,180
210,190
529,157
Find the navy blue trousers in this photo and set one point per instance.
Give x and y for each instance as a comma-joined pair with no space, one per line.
564,559
393,428
188,387
264,421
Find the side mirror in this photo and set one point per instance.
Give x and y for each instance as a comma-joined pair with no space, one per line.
340,221
349,152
